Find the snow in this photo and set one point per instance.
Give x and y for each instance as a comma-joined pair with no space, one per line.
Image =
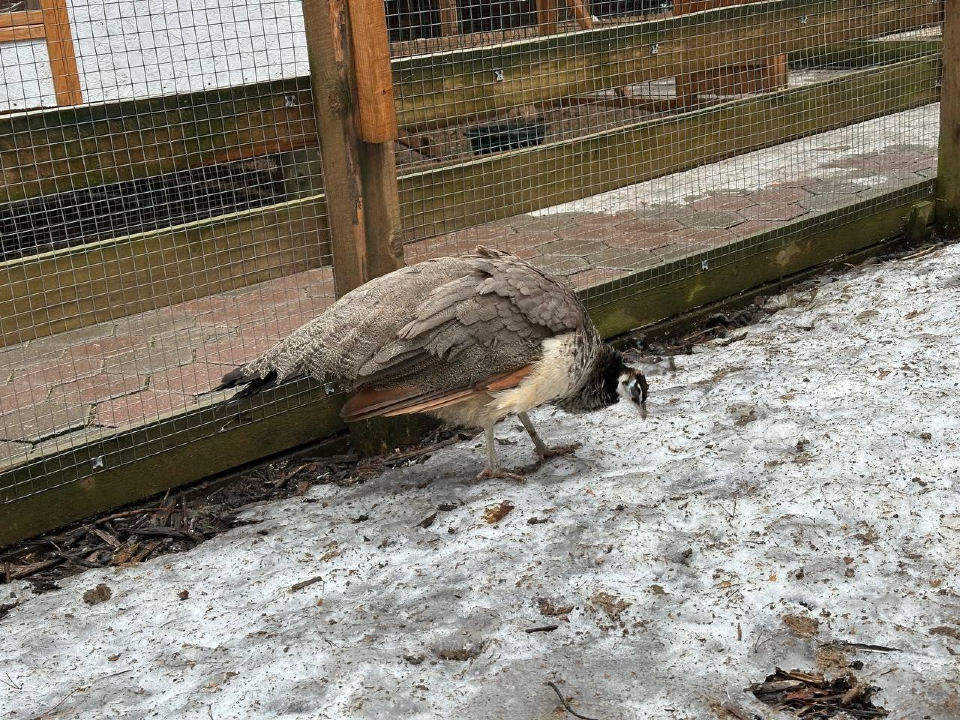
810,469
815,157
142,48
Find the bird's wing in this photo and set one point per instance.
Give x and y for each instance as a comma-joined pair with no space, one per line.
427,331
477,333
485,322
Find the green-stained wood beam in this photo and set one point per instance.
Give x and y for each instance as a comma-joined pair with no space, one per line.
52,151
651,295
464,83
76,287
862,53
50,491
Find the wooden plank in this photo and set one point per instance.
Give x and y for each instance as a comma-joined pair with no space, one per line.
582,13
449,18
861,53
775,73
47,492
948,168
51,151
655,294
63,57
684,7
174,451
371,71
18,33
331,70
21,18
464,83
381,208
76,287
762,75
507,184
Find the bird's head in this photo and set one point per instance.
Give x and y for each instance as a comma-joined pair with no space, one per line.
632,386
610,379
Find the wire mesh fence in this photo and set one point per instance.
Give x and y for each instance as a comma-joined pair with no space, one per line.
643,132
168,228
170,222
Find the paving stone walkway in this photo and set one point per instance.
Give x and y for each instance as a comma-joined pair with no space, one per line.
84,383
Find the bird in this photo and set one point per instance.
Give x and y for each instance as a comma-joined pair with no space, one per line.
470,340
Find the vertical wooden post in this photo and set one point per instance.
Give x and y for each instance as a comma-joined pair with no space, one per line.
756,75
449,18
378,133
356,122
948,166
63,58
547,16
581,11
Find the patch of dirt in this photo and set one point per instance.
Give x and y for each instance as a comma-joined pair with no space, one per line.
610,605
801,626
813,697
95,596
550,609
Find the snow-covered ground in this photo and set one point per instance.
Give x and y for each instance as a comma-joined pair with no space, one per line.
792,495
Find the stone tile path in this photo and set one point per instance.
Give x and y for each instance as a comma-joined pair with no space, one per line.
87,382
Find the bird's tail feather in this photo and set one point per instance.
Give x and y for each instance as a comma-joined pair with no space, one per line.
249,382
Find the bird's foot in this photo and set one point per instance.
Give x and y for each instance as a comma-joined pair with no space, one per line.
551,452
560,451
499,473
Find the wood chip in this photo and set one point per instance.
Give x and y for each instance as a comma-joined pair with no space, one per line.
495,513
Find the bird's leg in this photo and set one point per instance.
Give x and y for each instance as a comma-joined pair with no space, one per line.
544,452
493,470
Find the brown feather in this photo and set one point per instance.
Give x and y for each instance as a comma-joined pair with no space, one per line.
505,381
390,402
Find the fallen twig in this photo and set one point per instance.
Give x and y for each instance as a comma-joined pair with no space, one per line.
305,583
730,340
859,646
921,253
566,705
542,628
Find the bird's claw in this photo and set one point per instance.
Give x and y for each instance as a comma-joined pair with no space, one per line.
560,451
499,473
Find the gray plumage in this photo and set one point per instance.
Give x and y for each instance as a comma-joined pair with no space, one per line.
432,337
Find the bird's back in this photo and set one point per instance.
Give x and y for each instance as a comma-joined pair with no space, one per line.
443,324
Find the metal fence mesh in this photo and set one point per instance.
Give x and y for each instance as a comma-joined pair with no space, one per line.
607,143
165,230
173,224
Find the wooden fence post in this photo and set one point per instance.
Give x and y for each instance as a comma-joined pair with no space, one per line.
63,57
356,121
948,165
